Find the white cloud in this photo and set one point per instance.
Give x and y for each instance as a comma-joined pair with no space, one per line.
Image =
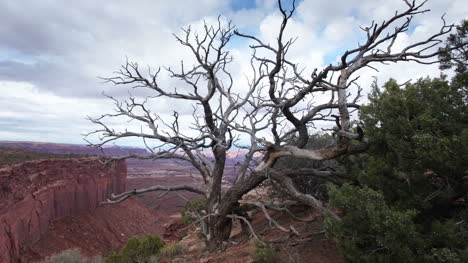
56,50
340,30
34,113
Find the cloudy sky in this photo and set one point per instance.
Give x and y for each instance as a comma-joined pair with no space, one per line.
53,51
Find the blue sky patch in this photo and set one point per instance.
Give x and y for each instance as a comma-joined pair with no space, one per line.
242,4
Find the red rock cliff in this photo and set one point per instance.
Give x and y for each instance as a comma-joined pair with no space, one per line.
35,193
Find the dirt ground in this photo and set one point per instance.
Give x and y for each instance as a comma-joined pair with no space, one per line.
96,232
164,203
310,246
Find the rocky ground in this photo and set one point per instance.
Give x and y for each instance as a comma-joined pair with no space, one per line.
310,246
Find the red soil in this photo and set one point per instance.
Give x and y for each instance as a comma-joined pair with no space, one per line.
96,232
165,204
110,226
311,246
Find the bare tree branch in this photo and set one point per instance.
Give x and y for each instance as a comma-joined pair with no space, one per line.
121,197
270,117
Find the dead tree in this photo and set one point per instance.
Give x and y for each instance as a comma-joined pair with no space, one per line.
278,101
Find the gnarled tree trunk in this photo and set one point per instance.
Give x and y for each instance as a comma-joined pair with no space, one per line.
277,102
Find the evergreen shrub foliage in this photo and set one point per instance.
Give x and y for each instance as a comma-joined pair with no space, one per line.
409,199
137,250
192,210
409,202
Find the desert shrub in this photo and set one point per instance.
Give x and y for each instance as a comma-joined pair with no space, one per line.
137,250
379,233
410,205
172,250
263,253
201,236
70,256
409,202
192,209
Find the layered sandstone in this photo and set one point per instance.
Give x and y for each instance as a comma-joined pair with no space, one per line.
35,193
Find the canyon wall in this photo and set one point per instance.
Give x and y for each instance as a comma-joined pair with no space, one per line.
33,194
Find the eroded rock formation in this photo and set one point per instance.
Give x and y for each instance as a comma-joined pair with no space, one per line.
35,193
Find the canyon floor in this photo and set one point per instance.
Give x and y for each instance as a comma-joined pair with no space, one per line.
109,226
95,232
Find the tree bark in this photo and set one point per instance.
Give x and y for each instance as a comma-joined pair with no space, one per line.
220,230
